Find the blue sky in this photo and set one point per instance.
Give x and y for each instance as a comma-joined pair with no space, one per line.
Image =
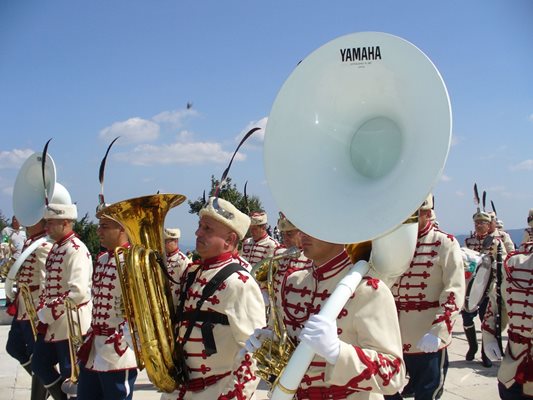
84,72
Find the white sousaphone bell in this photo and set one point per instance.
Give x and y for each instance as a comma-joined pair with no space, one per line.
29,203
357,137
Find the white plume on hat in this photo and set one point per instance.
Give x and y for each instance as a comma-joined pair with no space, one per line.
171,233
226,213
258,218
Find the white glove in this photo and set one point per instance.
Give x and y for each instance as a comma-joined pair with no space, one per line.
126,334
320,334
41,314
490,345
266,299
429,343
255,340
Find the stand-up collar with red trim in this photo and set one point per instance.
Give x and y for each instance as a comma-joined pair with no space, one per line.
262,238
111,253
65,238
215,262
425,230
332,267
173,253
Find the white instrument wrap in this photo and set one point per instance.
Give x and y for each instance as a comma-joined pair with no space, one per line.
13,271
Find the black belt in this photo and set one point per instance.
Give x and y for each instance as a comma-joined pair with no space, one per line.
208,319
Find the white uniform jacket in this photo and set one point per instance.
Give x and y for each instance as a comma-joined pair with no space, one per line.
370,362
176,264
68,274
32,273
223,374
430,294
517,316
105,348
254,251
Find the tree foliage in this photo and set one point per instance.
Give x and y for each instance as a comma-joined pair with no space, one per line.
230,193
3,220
86,230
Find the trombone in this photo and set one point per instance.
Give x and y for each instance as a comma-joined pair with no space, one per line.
25,292
75,340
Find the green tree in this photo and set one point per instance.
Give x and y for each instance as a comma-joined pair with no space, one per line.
230,193
3,220
86,230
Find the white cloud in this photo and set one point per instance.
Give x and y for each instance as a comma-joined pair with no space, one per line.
460,193
526,165
445,178
179,153
133,130
530,117
258,137
174,118
14,159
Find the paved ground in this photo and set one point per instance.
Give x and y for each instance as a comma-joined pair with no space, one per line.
466,380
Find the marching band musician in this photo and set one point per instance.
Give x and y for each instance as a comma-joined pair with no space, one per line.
482,242
515,375
358,356
528,232
176,260
429,296
21,339
108,367
260,245
290,238
500,233
212,333
68,275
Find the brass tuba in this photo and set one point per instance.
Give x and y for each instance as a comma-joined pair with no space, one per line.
274,352
146,294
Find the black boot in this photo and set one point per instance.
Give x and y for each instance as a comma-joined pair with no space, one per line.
38,391
56,392
487,363
470,333
27,367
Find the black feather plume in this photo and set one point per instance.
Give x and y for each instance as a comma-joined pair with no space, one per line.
43,165
226,171
101,172
476,196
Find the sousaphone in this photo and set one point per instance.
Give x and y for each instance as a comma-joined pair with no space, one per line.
29,203
357,137
363,125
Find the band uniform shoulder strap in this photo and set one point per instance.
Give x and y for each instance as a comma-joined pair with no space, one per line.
208,318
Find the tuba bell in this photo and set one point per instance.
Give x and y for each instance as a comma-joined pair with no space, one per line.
145,289
358,115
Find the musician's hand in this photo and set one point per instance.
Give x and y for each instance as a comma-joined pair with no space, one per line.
256,339
320,334
490,346
41,314
429,343
126,334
